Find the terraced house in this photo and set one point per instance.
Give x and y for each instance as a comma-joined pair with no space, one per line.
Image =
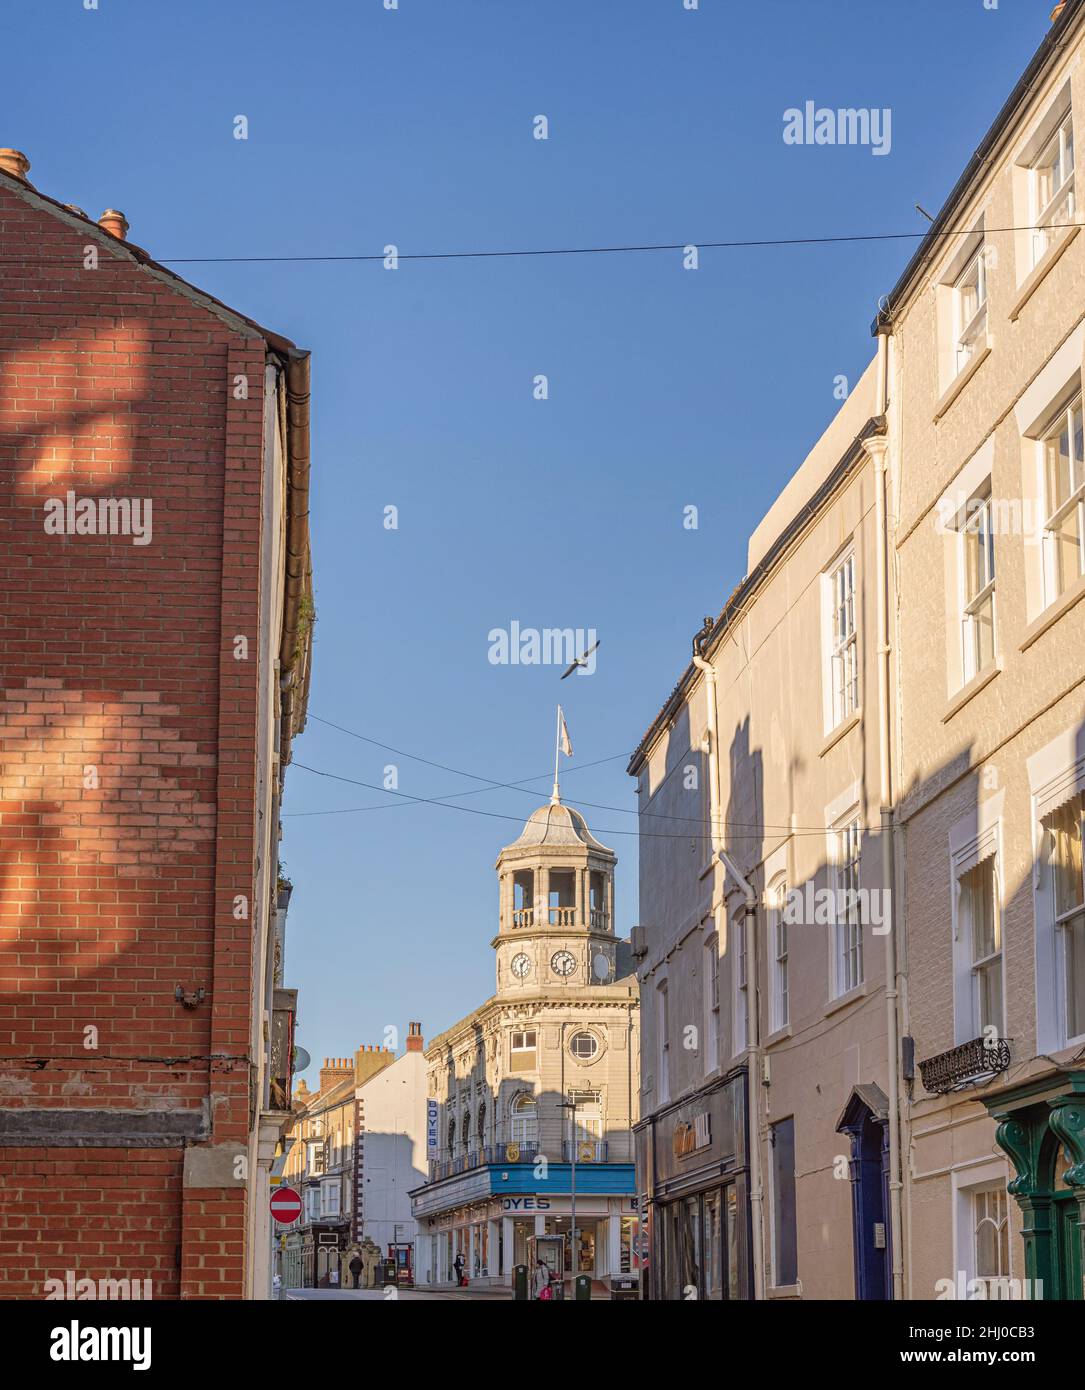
986,344
863,968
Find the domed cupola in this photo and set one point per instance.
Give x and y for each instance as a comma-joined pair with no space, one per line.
557,905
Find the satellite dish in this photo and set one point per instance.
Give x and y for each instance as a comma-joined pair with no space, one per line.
302,1060
600,966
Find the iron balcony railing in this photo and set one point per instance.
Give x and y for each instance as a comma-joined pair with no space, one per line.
510,1152
967,1065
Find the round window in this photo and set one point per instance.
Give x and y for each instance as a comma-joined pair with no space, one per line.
584,1046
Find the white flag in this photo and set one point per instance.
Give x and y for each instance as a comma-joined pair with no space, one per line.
566,741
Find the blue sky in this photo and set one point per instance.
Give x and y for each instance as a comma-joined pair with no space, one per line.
666,387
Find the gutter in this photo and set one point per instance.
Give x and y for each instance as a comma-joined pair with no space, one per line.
295,643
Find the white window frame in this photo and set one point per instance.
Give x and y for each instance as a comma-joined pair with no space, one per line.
587,1118
976,527
841,636
521,1048
1054,515
741,983
663,1041
970,334
967,1183
1050,218
778,945
849,967
584,1033
978,967
524,1119
1059,921
974,842
711,960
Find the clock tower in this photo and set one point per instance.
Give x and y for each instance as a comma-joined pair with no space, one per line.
556,930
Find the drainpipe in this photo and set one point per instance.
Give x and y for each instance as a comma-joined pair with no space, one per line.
877,448
754,1051
753,1013
709,672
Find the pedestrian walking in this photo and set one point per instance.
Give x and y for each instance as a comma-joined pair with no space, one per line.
540,1280
355,1268
458,1264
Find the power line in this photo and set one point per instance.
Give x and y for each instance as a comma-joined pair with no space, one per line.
743,243
757,833
492,785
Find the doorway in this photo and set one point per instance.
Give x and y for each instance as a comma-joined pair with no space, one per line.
865,1121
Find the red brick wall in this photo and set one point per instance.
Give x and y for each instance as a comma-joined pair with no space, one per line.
101,1213
118,657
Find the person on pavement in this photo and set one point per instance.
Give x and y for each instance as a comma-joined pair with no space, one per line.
540,1280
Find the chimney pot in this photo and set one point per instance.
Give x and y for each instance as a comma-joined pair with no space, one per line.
114,222
14,162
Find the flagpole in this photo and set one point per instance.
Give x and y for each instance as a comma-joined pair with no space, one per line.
556,797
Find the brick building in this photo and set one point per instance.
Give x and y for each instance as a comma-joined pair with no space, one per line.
157,606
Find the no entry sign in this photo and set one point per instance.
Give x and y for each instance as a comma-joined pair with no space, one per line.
285,1205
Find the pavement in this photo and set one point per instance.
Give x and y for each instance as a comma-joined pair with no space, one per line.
404,1295
470,1294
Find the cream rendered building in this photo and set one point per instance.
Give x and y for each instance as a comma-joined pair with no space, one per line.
986,342
767,1084
560,1031
862,886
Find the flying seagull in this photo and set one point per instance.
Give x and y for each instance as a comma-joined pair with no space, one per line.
580,661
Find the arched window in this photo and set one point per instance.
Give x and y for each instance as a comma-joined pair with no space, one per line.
451,1136
525,1123
466,1131
481,1123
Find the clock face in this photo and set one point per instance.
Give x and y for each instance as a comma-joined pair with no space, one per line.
521,966
563,963
600,966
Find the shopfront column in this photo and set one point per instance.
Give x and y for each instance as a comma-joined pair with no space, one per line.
614,1242
508,1247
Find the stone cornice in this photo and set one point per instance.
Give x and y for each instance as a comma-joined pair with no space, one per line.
488,1016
